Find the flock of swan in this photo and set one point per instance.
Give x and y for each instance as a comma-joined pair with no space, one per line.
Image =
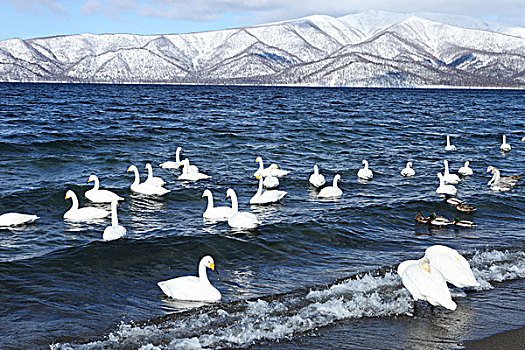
425,279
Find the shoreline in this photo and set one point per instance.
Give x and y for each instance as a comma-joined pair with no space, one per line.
508,340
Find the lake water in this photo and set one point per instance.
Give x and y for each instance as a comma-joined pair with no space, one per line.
315,274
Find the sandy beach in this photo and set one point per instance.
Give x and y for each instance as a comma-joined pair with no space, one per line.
510,340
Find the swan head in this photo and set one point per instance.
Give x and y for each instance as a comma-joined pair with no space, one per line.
230,193
274,166
258,159
364,162
70,194
439,175
337,178
207,261
424,264
148,166
132,168
467,163
445,162
316,169
179,149
409,164
206,193
92,178
490,168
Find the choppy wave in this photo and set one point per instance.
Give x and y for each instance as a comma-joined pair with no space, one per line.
377,293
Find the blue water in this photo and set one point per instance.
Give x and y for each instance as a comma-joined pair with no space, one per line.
314,274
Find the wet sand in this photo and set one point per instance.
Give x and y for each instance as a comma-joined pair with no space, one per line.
510,340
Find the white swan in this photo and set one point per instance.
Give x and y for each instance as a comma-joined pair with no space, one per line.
331,191
276,171
425,283
450,179
190,176
85,213
266,197
154,180
505,147
115,231
408,170
316,179
173,164
445,189
16,219
193,288
240,219
271,182
500,184
449,147
465,170
215,213
97,195
365,173
261,171
452,265
145,188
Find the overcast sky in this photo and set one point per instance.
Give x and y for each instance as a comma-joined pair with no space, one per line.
38,18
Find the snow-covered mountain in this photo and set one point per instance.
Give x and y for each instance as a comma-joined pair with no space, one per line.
366,49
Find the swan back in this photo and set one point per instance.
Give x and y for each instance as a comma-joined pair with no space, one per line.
452,265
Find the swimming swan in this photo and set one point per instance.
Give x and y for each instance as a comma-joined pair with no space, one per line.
445,189
97,195
215,213
173,164
452,265
193,288
261,171
425,283
449,147
316,179
145,188
497,179
16,219
266,197
331,191
465,170
505,147
271,182
154,180
114,231
276,171
190,176
450,179
408,170
240,219
82,214
365,173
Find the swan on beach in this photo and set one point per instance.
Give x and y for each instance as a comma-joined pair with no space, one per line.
215,213
268,196
82,214
425,283
16,219
190,176
145,188
240,219
505,147
450,179
452,265
445,189
115,231
331,191
365,173
97,195
173,164
193,288
154,180
408,170
465,170
316,179
449,147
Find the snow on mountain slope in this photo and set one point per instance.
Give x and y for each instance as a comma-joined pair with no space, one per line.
372,48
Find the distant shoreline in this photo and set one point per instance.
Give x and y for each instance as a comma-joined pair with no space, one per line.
509,340
423,87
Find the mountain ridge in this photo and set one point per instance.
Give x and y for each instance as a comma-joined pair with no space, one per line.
372,48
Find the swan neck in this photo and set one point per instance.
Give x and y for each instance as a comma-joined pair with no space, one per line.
235,204
114,218
137,176
203,276
259,190
210,201
97,184
185,167
448,140
177,155
74,199
441,181
335,182
150,172
316,170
